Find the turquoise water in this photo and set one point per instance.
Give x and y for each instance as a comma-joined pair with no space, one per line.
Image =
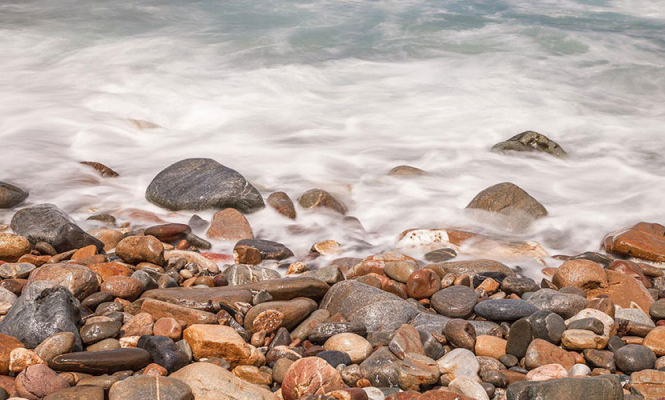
332,94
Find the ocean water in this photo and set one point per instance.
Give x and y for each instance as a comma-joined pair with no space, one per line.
333,94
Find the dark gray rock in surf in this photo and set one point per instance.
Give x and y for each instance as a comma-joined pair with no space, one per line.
530,141
201,184
70,237
40,223
44,309
11,196
376,309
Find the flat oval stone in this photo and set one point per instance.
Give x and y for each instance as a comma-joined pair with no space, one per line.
150,387
102,362
504,309
455,301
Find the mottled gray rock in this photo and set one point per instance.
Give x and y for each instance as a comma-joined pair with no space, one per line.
376,309
504,309
508,199
70,237
11,196
593,388
564,304
200,184
455,301
269,250
330,274
150,387
240,274
381,368
470,267
634,357
40,223
518,286
547,325
529,141
44,309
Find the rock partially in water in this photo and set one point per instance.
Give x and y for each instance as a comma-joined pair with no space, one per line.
211,382
510,200
530,141
283,204
644,240
43,310
200,184
40,223
103,170
11,196
318,198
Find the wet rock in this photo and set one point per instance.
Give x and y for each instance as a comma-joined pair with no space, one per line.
11,196
325,330
504,309
70,236
150,387
460,333
547,325
138,249
541,353
357,347
163,352
508,199
123,287
39,381
220,341
416,370
530,141
330,274
7,345
211,382
623,291
103,170
96,331
240,274
405,171
282,203
317,198
440,255
309,376
336,357
229,224
490,346
12,247
583,274
39,223
655,341
200,184
593,388
381,368
79,280
423,284
600,359
43,310
55,345
564,304
459,362
580,339
375,309
160,309
102,362
16,270
406,340
78,393
547,372
169,327
455,301
471,268
643,240
267,250
521,334
270,316
518,286
468,387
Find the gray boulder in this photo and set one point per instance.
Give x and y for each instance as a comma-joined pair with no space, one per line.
44,309
200,184
530,141
40,223
594,388
508,199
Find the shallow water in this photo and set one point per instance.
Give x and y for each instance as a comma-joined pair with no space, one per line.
333,94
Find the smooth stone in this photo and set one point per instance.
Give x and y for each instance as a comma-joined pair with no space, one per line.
318,198
334,357
460,333
470,267
565,305
211,382
376,309
400,271
241,274
590,324
12,247
104,345
657,309
39,381
163,352
161,309
271,315
70,237
440,255
541,352
624,291
643,240
468,387
634,315
42,310
39,223
608,322
208,299
406,340
490,346
230,225
97,331
282,203
416,370
547,325
504,309
200,184
79,280
530,141
150,387
580,339
455,301
267,249
509,200
600,359
124,287
102,362
587,388
519,286
220,341
308,376
655,340
323,331
11,195
579,370
357,347
459,362
634,357
16,270
138,249
55,345
583,274
381,368
78,393
331,274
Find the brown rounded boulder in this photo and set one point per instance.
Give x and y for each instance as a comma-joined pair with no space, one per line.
138,249
310,376
583,274
12,247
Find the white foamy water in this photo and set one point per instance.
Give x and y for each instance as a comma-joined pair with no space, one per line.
333,94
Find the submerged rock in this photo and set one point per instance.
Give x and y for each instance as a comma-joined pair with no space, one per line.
200,184
510,200
11,196
530,141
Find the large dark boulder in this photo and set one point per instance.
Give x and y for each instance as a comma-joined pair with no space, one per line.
11,196
70,236
40,223
44,309
530,141
200,184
